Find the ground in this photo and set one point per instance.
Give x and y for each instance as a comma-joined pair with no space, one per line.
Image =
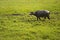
17,24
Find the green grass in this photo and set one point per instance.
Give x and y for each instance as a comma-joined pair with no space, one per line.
26,27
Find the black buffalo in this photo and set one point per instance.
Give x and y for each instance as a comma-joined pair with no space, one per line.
41,13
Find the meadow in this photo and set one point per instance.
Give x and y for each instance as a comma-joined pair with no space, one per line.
25,27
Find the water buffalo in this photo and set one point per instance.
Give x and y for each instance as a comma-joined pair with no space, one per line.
41,13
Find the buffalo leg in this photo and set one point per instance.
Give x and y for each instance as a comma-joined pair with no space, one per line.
48,17
44,17
39,18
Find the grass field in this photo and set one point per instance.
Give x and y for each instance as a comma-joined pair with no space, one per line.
26,27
